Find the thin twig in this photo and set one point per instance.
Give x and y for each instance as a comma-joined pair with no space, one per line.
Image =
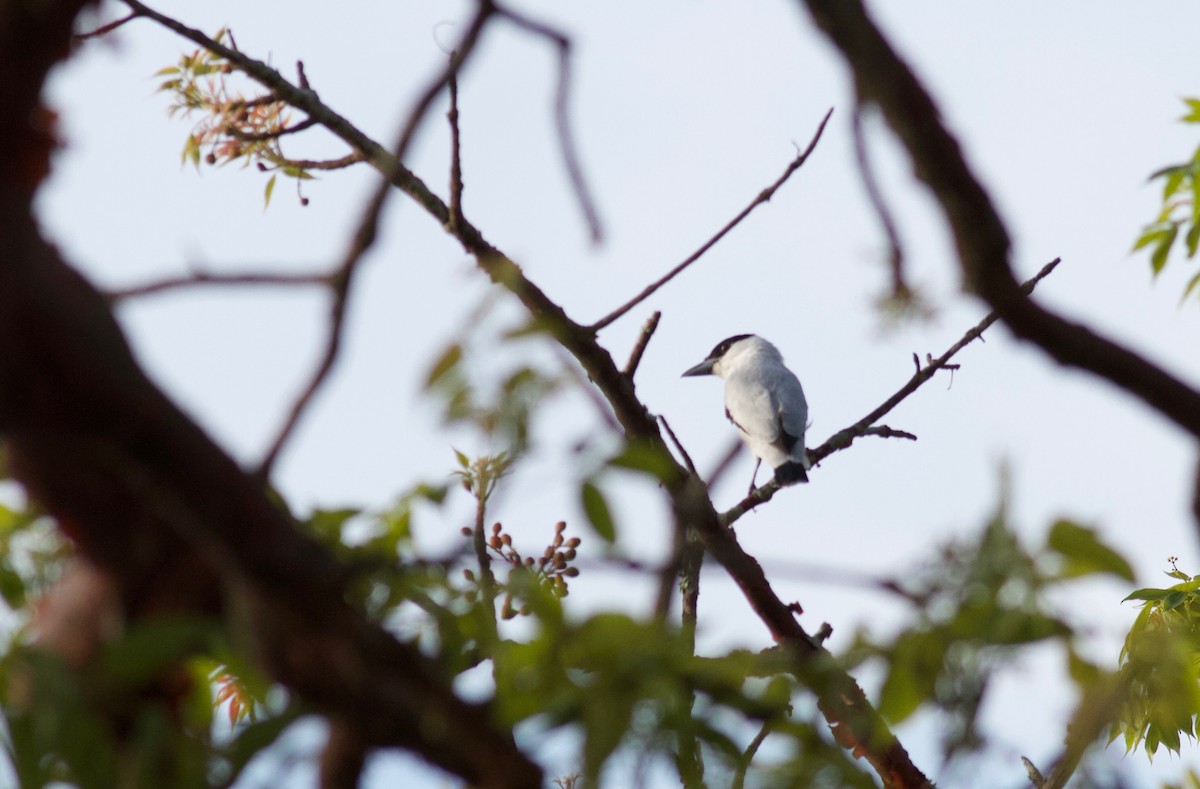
883,431
687,459
104,29
603,407
724,464
210,279
739,777
844,438
237,134
668,574
364,237
635,358
763,197
562,97
487,579
325,164
875,197
456,181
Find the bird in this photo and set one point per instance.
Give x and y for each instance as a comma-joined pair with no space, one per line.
765,401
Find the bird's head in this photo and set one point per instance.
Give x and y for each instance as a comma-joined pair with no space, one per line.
726,351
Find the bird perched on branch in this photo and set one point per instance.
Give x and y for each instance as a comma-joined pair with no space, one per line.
764,400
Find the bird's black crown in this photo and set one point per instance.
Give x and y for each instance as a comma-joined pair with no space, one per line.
725,344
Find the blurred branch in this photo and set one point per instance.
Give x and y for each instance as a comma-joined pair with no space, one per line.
343,758
210,279
105,451
342,163
562,121
105,29
884,79
764,196
362,240
895,251
863,427
635,358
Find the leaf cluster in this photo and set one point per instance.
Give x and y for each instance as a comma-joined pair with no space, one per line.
231,126
1160,663
973,609
1180,211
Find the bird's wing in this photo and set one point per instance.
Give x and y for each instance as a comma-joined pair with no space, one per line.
792,407
769,408
750,407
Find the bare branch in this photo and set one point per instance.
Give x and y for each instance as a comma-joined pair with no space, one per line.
763,197
212,279
562,123
982,241
236,133
101,448
687,459
105,29
723,465
635,358
900,287
456,181
883,431
487,579
844,438
348,160
362,240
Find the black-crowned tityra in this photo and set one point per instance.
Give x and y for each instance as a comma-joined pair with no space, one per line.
764,400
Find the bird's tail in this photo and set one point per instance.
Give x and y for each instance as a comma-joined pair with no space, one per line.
790,473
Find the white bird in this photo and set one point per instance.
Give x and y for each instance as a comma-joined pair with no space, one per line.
765,401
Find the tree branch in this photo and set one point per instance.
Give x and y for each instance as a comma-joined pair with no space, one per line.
364,238
211,279
156,503
763,197
635,358
562,120
883,78
875,197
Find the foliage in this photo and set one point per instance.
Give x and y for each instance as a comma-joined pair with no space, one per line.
975,605
1160,663
231,126
1180,208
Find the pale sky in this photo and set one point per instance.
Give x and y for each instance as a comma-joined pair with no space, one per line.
683,111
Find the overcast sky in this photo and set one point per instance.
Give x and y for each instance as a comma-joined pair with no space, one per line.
683,111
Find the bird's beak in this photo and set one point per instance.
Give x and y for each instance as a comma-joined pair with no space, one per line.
704,368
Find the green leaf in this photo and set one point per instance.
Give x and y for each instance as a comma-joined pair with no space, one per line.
1175,599
444,365
1147,594
1193,114
1173,182
267,192
1083,672
1158,258
1084,553
462,459
639,456
152,645
1193,235
597,511
1192,283
1150,235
